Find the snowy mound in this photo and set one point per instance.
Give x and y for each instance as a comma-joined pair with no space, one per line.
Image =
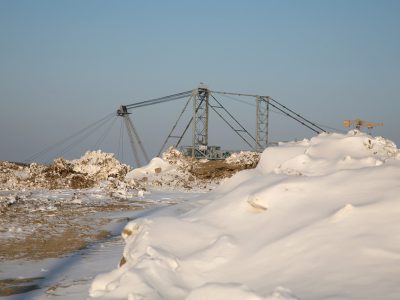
86,172
244,157
327,153
100,165
176,171
171,172
156,166
317,219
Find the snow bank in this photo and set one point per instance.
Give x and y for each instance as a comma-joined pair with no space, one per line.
244,157
171,172
93,169
327,153
156,166
100,165
317,219
175,171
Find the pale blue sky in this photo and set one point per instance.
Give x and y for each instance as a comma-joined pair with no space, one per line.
65,64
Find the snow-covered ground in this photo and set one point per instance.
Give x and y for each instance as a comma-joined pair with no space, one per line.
317,219
58,221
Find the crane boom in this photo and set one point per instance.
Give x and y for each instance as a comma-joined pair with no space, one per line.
159,100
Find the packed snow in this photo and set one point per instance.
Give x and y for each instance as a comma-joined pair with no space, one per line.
317,219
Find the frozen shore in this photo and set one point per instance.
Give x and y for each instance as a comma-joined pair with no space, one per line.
317,219
51,215
32,269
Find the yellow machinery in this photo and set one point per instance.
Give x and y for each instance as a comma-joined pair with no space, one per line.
358,123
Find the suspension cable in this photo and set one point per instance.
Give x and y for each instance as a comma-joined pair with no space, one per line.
73,144
173,127
231,126
317,125
60,142
103,136
188,125
308,121
237,122
331,128
290,116
235,130
159,100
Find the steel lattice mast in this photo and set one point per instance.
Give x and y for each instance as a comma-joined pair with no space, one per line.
200,120
262,115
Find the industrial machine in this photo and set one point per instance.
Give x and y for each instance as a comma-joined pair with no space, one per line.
198,105
358,124
203,102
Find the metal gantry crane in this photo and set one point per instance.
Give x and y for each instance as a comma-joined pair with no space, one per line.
203,100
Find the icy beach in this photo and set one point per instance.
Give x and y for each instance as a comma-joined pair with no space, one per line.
317,219
58,221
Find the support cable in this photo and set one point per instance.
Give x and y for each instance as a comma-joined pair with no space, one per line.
290,116
60,142
331,128
159,100
173,127
236,94
103,136
188,125
233,118
308,121
81,139
252,104
226,121
239,100
317,125
184,132
231,127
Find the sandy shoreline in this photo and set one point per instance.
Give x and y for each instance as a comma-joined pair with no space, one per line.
47,224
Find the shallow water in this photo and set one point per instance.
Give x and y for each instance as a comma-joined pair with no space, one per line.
14,286
70,276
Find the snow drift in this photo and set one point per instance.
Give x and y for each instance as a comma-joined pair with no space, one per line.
317,219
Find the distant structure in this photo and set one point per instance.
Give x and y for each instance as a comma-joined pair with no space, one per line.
204,100
358,124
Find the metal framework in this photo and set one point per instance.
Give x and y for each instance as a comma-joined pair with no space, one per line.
203,99
200,121
262,115
235,125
